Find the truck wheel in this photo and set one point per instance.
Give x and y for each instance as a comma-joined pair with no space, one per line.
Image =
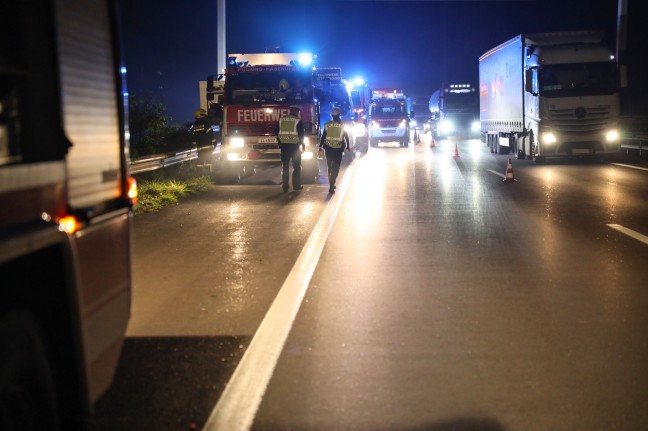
27,395
229,173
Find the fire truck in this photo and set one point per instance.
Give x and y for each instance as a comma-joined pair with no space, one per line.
388,117
65,211
259,89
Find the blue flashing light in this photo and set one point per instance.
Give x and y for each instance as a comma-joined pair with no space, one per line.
358,81
305,59
123,70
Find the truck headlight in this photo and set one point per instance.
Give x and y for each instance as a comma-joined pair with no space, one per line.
237,142
359,129
612,136
402,124
446,126
475,126
549,138
375,124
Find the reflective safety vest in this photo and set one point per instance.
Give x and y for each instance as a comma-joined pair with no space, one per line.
334,134
288,130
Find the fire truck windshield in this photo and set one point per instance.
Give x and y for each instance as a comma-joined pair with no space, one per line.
395,110
263,86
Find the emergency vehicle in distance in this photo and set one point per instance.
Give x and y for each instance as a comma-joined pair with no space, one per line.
361,98
455,111
419,112
331,91
65,212
388,117
259,89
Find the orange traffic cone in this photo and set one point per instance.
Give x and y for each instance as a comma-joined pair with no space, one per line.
509,173
456,153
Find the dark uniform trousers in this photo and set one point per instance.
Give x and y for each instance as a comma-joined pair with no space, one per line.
291,152
333,162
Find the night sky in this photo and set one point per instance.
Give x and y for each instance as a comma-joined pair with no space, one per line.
170,45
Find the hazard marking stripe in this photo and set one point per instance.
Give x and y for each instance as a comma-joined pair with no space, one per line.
497,173
630,166
238,405
631,233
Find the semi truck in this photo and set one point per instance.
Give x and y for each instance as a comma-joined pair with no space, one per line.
388,117
259,89
550,95
454,109
66,202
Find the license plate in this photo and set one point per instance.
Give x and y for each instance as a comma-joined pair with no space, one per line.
582,151
267,140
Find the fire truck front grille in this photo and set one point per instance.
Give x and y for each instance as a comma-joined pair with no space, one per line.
580,120
252,129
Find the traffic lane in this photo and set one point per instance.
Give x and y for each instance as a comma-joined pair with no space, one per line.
452,303
205,272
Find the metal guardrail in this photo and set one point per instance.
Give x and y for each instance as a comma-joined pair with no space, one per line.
634,135
160,161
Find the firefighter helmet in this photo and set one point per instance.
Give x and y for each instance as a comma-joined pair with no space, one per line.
200,113
335,112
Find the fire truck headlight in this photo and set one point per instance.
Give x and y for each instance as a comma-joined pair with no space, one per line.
375,124
237,143
612,136
347,128
549,138
446,126
234,156
359,129
475,126
307,155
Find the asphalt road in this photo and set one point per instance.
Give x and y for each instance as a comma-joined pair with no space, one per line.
436,297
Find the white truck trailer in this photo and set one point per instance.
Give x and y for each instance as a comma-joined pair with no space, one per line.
550,95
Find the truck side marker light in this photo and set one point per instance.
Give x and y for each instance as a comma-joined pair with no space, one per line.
508,178
133,191
68,224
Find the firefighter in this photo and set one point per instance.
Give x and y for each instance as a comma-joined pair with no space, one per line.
203,136
290,133
334,141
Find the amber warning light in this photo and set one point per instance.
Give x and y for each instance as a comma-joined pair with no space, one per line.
132,192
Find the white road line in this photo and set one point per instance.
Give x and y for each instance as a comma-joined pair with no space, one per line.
497,173
238,405
630,232
630,166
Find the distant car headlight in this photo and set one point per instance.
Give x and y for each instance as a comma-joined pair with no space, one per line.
307,155
612,136
426,127
359,129
413,123
237,142
446,126
475,126
549,138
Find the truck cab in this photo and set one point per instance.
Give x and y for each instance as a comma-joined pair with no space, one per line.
388,118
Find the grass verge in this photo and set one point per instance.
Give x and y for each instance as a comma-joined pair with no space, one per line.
157,193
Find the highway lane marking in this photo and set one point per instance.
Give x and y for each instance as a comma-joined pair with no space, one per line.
497,173
240,401
631,233
630,166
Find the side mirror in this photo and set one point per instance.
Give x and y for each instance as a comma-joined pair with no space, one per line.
529,76
210,83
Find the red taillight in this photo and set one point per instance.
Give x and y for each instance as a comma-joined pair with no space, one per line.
132,192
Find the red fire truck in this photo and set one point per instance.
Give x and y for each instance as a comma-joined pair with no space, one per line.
259,89
361,97
388,117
